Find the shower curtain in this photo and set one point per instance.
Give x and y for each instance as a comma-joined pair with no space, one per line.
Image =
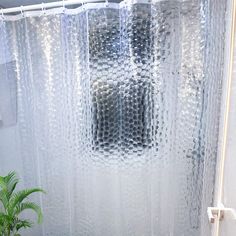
113,109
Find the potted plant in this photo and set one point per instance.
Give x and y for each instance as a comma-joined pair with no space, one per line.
13,203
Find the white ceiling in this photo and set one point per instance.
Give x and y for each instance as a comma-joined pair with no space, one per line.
16,3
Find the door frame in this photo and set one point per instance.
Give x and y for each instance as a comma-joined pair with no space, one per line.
225,109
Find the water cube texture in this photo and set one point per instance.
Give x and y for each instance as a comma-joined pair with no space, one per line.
118,108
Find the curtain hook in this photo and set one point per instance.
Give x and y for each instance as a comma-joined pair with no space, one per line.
43,7
22,11
125,3
63,5
2,14
83,7
106,3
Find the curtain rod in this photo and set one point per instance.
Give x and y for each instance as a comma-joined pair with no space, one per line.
46,6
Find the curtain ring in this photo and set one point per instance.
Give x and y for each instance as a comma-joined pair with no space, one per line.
22,11
2,14
63,5
83,7
106,3
43,7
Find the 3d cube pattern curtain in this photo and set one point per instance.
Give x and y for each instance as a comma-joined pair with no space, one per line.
113,109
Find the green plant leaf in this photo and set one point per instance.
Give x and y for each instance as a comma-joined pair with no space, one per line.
3,219
8,184
23,224
4,199
12,204
6,222
30,206
12,180
19,197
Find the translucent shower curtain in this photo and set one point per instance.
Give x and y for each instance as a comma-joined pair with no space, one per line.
117,114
